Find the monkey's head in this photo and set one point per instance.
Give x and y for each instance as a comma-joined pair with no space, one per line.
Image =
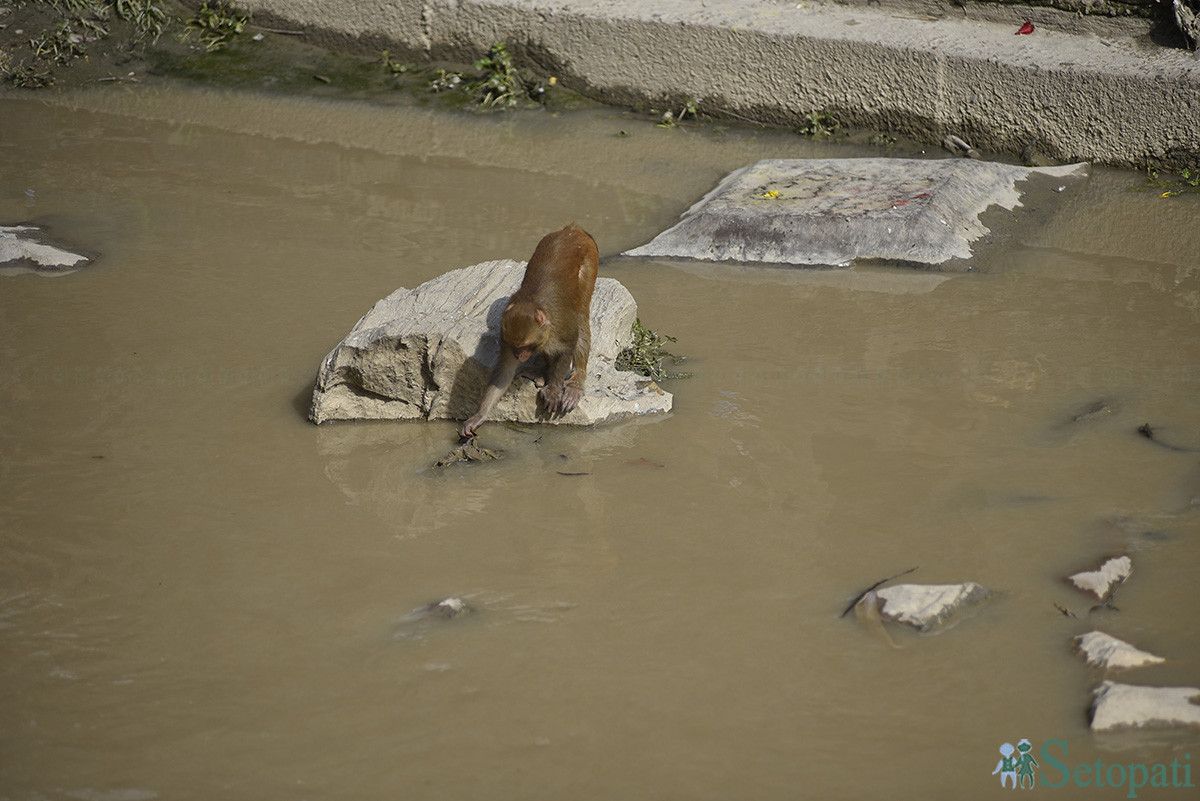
525,328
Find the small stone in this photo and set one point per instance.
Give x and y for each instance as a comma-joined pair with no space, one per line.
929,606
1102,581
450,607
1118,706
1105,651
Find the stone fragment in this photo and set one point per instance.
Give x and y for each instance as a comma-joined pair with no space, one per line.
1118,706
929,606
21,251
1102,581
427,353
1105,651
832,212
447,608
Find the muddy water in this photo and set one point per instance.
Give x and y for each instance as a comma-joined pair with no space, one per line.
204,596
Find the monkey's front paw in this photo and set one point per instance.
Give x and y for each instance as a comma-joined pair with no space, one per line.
571,395
551,397
468,429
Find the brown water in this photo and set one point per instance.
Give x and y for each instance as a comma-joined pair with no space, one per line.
204,596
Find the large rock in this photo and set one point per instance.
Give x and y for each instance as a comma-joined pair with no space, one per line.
833,212
1105,579
427,353
929,606
1105,651
22,249
1118,706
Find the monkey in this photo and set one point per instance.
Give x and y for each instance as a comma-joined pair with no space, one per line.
549,314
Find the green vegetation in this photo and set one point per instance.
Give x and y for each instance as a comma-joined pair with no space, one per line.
147,16
217,23
57,34
883,139
819,125
391,66
499,84
646,353
62,45
1188,181
78,42
672,119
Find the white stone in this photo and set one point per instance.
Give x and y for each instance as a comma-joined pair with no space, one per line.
1104,579
835,211
927,606
1105,651
427,353
1127,706
21,252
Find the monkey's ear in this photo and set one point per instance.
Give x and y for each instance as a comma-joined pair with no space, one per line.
541,318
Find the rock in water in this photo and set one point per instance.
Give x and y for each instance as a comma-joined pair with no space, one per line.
929,606
1118,706
427,353
1102,581
20,251
831,212
1105,651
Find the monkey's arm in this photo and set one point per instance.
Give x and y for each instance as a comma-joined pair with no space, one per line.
502,376
573,390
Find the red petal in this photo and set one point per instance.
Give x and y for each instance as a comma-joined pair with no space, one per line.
1026,28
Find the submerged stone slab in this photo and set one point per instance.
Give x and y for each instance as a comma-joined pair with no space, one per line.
1105,651
22,249
1118,706
928,606
837,211
1103,580
427,353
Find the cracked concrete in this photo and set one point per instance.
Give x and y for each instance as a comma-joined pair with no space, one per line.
1076,89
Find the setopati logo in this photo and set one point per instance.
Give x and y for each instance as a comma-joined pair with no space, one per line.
1018,767
1011,766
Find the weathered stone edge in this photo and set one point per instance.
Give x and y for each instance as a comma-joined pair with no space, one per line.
1072,97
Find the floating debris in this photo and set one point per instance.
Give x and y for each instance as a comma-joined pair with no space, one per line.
1146,431
1104,580
1064,611
1105,651
1100,408
959,147
643,462
469,451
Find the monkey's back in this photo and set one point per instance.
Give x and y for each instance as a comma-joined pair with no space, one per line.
562,271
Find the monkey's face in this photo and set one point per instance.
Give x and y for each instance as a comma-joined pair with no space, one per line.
525,330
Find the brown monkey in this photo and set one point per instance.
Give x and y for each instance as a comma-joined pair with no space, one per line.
549,314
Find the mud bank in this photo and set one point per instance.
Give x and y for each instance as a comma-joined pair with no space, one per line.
1075,89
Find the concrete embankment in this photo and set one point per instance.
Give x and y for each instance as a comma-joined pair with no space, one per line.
1076,89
